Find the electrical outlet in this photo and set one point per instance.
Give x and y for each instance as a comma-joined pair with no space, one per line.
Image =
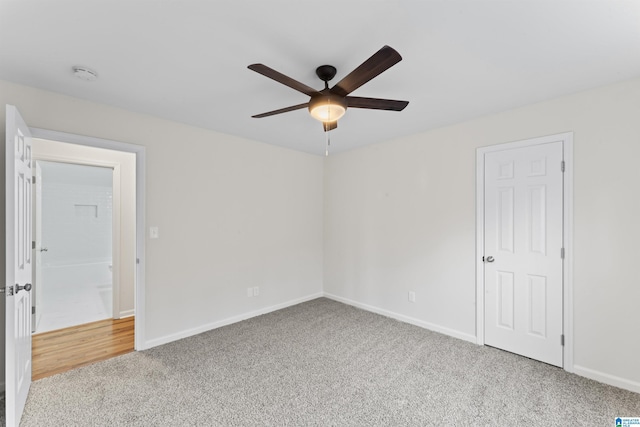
256,291
412,296
249,292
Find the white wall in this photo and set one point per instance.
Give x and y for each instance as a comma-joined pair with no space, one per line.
397,216
77,217
127,238
400,215
232,213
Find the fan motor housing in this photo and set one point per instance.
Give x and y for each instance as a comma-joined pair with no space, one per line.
326,72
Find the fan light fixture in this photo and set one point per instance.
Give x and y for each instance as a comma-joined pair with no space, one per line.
327,108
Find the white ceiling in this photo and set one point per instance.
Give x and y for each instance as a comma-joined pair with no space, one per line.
187,60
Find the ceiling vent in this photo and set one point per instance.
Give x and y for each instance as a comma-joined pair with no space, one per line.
84,73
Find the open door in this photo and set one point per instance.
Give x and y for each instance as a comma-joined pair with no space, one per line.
18,266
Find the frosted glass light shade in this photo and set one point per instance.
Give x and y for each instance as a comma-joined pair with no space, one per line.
328,112
327,108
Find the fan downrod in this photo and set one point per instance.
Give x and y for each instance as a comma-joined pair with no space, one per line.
326,72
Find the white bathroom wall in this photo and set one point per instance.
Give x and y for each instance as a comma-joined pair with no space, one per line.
77,204
74,284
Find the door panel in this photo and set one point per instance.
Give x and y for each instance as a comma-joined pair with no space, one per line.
18,265
536,219
505,219
505,300
537,293
523,234
38,281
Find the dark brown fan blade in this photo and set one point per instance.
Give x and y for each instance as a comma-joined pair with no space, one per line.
282,110
376,103
327,126
379,62
281,78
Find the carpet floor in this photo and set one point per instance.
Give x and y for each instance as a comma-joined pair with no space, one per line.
323,363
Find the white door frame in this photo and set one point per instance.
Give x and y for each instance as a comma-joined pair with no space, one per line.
115,220
139,151
567,271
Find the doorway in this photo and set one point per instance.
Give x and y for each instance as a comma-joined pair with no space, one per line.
123,266
73,244
523,233
84,252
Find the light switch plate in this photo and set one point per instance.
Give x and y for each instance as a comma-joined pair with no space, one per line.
154,233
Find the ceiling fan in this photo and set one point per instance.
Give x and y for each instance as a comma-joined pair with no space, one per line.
329,105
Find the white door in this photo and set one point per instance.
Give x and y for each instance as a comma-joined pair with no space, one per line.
522,254
18,266
38,279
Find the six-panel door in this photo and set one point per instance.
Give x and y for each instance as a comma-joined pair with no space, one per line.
523,234
18,265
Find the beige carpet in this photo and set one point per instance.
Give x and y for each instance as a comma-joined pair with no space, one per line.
323,363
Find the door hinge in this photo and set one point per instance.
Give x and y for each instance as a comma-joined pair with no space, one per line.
562,340
33,179
562,253
33,244
562,166
137,260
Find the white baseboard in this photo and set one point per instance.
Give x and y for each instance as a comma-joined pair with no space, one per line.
406,319
607,378
127,313
228,321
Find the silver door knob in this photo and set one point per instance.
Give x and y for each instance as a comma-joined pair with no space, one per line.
489,259
26,287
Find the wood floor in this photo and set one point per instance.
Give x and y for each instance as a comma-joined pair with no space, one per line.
65,349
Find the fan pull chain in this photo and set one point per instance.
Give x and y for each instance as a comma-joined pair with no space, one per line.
326,151
328,132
